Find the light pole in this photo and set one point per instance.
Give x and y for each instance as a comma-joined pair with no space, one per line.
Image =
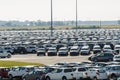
51,18
76,16
100,23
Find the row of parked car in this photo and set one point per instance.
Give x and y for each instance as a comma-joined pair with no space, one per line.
77,50
64,71
60,50
28,41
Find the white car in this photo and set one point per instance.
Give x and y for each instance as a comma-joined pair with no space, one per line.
80,73
96,49
117,48
85,50
97,74
107,48
113,71
116,58
5,54
74,50
20,71
60,74
8,49
31,49
63,51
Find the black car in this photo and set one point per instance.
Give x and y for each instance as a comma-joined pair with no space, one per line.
102,57
20,50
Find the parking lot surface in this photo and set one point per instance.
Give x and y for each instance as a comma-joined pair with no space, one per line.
47,60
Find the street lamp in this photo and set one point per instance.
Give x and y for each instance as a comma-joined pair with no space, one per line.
76,17
51,19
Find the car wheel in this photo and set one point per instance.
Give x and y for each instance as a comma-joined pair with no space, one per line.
33,51
10,77
44,55
81,78
64,78
8,56
113,77
47,78
37,54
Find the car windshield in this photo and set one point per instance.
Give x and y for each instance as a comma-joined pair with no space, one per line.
84,48
63,49
96,47
73,49
52,49
57,71
107,48
42,49
117,56
98,54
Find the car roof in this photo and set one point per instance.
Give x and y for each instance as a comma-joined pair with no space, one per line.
85,47
74,47
63,48
106,46
117,45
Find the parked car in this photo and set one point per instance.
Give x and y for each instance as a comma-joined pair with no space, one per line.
85,50
20,71
3,73
102,57
74,51
31,49
34,75
113,71
4,54
63,51
8,49
60,74
116,58
41,51
107,48
96,49
117,49
97,74
80,73
20,50
52,51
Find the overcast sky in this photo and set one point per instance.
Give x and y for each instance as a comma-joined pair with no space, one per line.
62,10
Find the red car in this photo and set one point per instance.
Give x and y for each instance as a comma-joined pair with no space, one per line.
3,73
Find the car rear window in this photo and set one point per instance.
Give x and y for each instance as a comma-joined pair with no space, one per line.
67,70
81,69
101,71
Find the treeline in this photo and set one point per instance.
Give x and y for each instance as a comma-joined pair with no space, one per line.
87,27
56,23
36,23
